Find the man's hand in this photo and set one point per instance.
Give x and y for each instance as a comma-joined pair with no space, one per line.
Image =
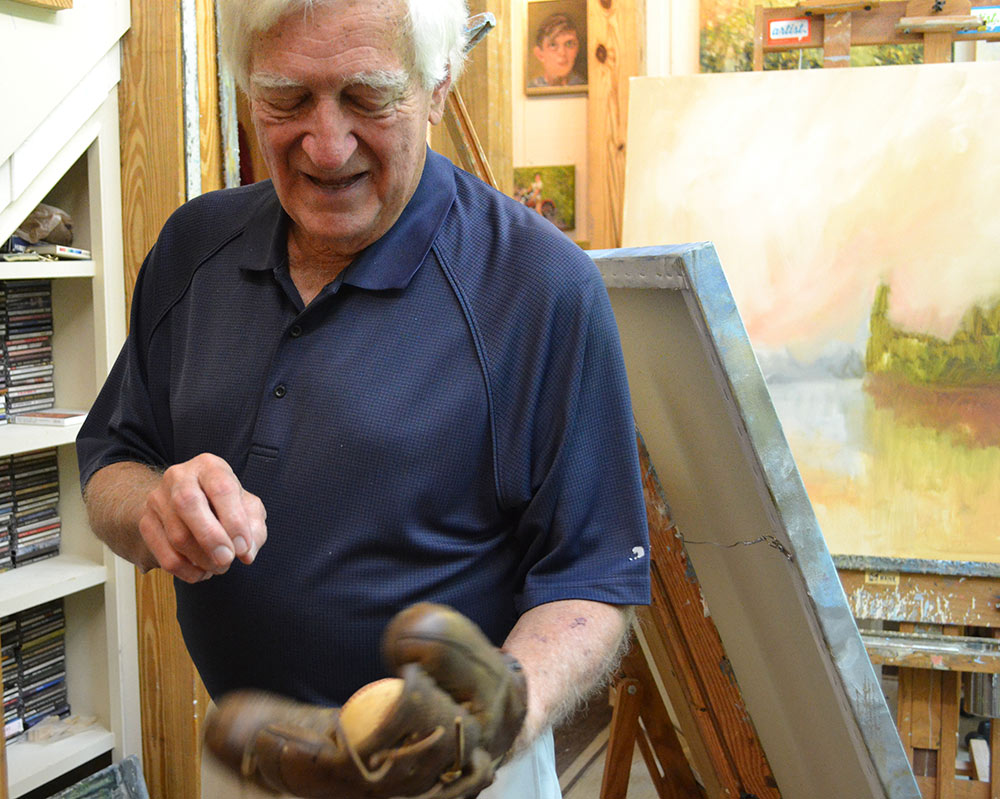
190,520
199,517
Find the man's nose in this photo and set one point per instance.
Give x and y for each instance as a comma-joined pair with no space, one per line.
330,140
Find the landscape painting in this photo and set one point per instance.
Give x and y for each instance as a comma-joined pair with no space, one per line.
854,212
549,190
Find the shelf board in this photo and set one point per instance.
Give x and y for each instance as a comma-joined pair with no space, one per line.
46,580
34,270
30,765
16,438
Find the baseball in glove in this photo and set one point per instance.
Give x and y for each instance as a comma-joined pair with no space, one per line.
440,729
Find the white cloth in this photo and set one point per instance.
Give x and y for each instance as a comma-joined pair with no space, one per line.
531,775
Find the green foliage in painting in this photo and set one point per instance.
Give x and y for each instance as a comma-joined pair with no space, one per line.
970,358
727,46
550,190
884,55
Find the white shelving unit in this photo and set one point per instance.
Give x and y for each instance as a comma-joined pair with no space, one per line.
81,175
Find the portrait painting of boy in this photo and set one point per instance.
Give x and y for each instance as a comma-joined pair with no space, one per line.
556,47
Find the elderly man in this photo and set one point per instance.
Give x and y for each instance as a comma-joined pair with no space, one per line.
368,382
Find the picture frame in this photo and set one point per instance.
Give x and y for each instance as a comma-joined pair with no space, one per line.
556,29
549,190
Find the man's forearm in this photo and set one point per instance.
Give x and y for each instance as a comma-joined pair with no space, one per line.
116,498
568,649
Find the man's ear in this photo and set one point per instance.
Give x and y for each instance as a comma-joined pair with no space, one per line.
438,98
538,52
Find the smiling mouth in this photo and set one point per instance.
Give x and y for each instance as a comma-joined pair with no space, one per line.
338,183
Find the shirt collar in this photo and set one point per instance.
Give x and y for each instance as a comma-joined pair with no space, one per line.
388,263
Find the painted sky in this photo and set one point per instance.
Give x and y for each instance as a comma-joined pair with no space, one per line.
816,185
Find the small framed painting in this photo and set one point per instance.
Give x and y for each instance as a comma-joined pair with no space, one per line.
549,190
556,47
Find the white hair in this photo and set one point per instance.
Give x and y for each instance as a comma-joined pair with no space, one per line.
434,31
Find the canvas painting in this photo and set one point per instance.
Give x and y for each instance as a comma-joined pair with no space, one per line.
549,190
854,212
556,48
726,39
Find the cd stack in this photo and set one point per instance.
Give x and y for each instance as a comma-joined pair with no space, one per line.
36,530
3,338
6,515
13,723
41,662
28,345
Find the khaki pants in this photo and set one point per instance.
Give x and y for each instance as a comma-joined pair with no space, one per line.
532,775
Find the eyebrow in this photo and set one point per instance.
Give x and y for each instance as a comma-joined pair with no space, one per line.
393,80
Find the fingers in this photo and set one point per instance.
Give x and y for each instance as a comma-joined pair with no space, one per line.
256,527
199,518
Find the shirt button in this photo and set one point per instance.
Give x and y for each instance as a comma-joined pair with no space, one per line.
279,391
295,331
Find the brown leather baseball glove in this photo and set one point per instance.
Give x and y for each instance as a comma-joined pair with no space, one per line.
438,730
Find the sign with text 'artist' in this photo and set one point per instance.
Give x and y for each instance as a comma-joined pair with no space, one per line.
786,31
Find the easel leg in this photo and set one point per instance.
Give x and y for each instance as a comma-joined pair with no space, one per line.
621,743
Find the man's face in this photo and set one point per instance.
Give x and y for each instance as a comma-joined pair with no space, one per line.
557,53
342,125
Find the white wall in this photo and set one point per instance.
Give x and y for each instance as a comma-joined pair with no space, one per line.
45,54
552,130
548,130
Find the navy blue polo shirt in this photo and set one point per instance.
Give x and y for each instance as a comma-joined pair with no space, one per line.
448,420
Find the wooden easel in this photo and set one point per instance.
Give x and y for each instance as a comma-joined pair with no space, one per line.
836,25
937,642
678,641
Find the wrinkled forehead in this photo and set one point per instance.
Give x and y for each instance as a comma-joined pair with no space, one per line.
331,29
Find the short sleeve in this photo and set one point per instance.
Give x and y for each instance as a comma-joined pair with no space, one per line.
585,524
122,423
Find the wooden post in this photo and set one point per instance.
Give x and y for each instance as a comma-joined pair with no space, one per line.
208,98
172,698
937,47
621,739
485,90
652,730
721,729
837,40
758,38
616,35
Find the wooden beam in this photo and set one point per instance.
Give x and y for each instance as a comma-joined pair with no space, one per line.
922,651
621,740
677,614
669,768
616,44
151,124
937,47
758,38
153,186
485,88
880,25
465,142
837,40
208,99
967,600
